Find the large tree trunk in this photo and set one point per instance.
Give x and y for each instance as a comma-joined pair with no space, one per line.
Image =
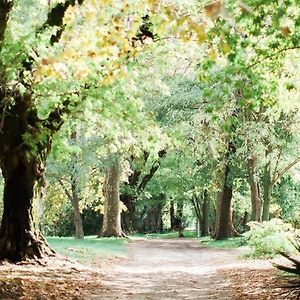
22,169
225,215
25,141
112,208
19,239
256,203
224,226
267,186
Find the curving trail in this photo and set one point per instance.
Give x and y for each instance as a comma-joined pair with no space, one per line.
168,269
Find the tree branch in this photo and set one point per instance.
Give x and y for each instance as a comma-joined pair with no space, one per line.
135,176
65,190
284,170
55,119
5,7
272,55
55,18
152,171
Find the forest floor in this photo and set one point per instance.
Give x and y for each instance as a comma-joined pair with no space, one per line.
154,269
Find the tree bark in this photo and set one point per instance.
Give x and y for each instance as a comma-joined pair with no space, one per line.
19,239
23,153
74,199
4,14
22,167
224,226
205,215
201,207
79,234
154,219
267,186
198,211
256,203
172,215
223,230
111,226
179,217
128,223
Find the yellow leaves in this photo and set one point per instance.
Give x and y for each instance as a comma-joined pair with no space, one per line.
200,33
182,19
212,54
213,10
70,15
193,31
224,47
118,72
285,30
185,35
106,2
90,16
218,50
108,80
49,68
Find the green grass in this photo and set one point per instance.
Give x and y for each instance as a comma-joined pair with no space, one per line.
167,235
90,250
223,244
206,241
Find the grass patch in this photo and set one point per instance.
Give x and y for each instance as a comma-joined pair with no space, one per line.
89,250
223,244
167,235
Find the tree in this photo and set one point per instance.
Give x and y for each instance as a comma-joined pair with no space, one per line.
112,207
136,184
22,162
74,169
47,71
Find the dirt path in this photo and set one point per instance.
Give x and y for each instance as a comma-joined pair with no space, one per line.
155,269
173,269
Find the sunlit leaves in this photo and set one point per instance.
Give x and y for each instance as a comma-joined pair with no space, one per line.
224,47
213,10
285,30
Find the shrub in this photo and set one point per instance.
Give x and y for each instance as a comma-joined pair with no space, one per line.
269,238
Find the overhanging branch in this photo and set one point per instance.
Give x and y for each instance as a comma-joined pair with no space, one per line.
5,7
272,55
55,18
284,170
152,171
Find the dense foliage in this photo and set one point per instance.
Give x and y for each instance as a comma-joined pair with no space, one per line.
185,112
